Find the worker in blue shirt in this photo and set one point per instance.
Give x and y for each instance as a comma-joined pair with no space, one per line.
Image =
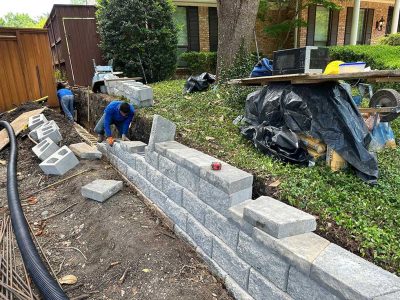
118,113
66,99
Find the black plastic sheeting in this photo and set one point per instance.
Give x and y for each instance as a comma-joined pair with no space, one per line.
198,83
325,111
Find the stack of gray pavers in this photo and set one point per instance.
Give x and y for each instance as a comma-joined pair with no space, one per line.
261,249
137,93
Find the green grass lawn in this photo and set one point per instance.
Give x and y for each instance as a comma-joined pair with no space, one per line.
364,219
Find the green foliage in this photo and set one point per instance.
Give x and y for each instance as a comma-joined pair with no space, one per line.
199,62
139,31
369,217
391,40
22,21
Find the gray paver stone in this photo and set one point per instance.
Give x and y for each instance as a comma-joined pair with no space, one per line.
177,214
277,218
167,167
236,216
184,236
200,235
60,162
213,266
84,151
162,148
172,190
141,165
194,206
151,158
133,146
101,190
261,288
162,130
237,292
158,198
391,296
45,149
155,177
188,179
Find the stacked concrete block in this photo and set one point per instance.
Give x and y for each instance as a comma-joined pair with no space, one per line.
101,190
49,130
59,162
138,94
133,146
45,149
36,121
84,151
261,249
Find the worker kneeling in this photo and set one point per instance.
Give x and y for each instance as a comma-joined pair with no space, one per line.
118,113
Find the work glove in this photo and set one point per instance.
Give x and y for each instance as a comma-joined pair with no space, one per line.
125,138
110,141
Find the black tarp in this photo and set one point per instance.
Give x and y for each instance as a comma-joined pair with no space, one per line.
325,111
198,83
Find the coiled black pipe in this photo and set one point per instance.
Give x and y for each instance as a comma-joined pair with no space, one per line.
47,286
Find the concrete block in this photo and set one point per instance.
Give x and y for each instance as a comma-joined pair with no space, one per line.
129,159
222,228
143,185
159,199
391,296
194,206
84,151
220,200
301,287
172,190
271,266
236,216
49,131
151,158
200,235
155,177
231,263
184,236
101,190
235,290
162,130
229,179
277,218
162,148
59,162
36,121
34,133
187,179
45,149
133,146
102,148
132,175
299,250
351,276
176,213
122,166
212,265
167,167
261,288
141,165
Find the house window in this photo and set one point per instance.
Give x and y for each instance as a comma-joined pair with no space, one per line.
389,21
361,27
181,24
213,27
364,26
322,28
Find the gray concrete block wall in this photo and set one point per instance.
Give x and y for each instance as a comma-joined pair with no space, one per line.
208,210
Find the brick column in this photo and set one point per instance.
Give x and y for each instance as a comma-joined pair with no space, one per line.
204,29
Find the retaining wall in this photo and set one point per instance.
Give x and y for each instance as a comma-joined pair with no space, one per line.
261,249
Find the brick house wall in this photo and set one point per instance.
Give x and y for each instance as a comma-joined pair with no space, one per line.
204,29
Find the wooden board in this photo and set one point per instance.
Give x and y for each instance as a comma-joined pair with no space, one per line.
18,125
372,76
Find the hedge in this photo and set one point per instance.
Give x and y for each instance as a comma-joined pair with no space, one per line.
199,62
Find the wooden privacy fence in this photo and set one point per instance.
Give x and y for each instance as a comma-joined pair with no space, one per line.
26,71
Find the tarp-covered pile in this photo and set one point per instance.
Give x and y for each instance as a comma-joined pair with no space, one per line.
324,111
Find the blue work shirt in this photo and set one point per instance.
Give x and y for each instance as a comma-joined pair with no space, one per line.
63,92
113,115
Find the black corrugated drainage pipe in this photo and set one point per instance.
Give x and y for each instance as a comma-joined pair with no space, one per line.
45,283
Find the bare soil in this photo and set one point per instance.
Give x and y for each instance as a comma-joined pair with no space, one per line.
99,242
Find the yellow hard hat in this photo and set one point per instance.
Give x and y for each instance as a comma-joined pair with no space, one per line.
333,67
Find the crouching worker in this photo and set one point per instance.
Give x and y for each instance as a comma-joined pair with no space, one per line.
66,99
118,113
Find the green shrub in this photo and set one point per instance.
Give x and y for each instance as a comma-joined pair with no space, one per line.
391,40
199,62
139,35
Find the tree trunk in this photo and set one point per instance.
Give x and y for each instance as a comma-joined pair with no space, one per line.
236,21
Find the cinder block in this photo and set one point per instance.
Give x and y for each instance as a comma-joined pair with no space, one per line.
167,167
236,216
351,276
299,250
45,149
221,227
59,162
184,236
177,214
151,158
49,131
34,133
271,266
234,289
229,179
141,165
231,263
133,146
155,177
200,235
212,265
162,130
261,288
187,179
84,151
172,190
219,200
301,287
194,206
101,190
36,121
277,218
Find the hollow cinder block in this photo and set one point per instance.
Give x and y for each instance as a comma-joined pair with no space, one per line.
51,131
100,190
45,149
36,121
60,162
